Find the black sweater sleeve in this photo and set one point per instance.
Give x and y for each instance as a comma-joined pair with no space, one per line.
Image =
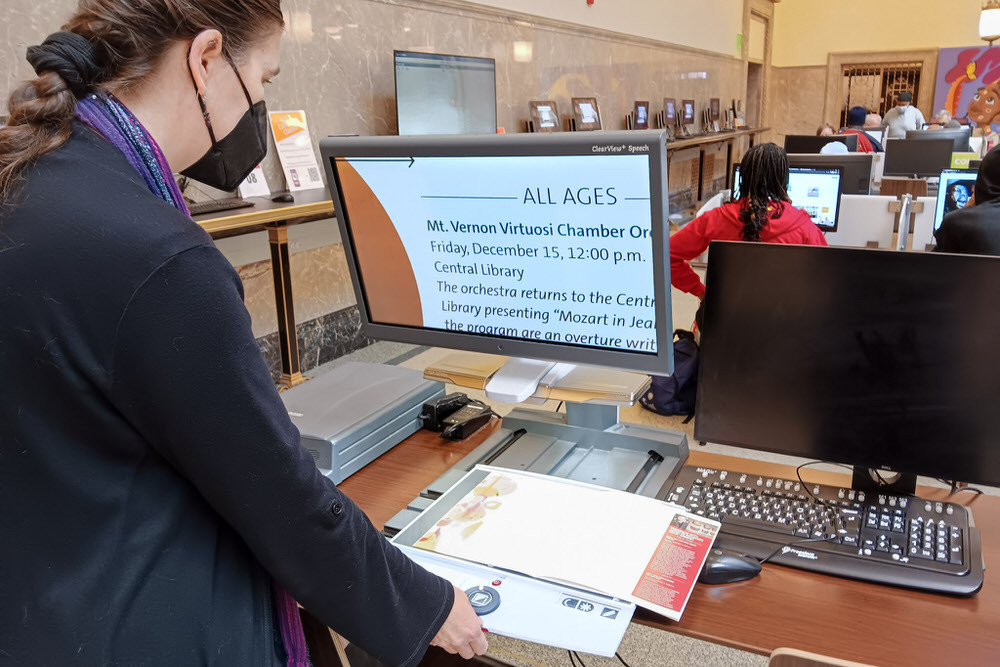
189,376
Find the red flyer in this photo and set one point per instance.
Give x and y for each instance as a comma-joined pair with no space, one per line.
672,572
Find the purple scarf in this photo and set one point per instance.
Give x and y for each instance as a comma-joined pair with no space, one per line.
111,119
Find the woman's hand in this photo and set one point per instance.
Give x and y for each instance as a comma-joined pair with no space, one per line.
462,632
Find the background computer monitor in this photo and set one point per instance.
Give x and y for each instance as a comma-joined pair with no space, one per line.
922,158
815,190
954,192
807,143
856,169
550,247
441,94
959,136
875,133
871,358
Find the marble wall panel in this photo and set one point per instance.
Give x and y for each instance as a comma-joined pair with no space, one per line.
797,96
337,61
682,178
337,65
320,340
715,170
321,284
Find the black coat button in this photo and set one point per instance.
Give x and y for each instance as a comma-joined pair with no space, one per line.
337,509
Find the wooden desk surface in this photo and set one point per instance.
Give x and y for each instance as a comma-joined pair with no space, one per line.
308,203
783,607
702,139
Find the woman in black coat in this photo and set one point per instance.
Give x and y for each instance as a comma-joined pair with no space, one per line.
157,506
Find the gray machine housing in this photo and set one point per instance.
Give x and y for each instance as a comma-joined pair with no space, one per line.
355,413
611,454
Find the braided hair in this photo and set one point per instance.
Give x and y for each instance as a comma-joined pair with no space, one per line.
763,189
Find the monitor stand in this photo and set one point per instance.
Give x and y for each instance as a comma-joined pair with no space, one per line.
587,443
518,381
874,481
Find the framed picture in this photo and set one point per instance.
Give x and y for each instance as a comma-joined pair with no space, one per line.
687,107
669,111
545,116
716,109
641,116
587,113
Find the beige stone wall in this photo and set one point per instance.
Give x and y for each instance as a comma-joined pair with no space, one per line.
797,96
337,65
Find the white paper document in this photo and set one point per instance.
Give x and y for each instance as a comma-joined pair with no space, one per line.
295,150
255,185
624,545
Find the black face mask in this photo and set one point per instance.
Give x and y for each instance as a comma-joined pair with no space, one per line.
232,158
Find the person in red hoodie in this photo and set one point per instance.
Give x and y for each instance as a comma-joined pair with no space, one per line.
760,211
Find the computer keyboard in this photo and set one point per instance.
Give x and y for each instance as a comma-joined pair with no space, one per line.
217,205
881,538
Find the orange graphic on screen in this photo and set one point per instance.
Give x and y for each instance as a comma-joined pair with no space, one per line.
467,517
389,283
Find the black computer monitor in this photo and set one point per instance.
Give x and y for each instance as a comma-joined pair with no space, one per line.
920,158
807,143
442,94
814,190
960,137
873,358
855,167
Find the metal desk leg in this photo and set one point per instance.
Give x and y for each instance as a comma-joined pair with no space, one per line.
701,172
729,164
281,270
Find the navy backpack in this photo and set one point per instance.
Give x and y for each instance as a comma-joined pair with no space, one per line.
675,394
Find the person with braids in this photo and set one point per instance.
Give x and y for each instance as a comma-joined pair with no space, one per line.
158,508
760,212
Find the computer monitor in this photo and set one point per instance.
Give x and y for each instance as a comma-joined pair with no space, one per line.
875,133
955,190
807,143
441,94
815,190
959,136
872,358
856,169
920,158
542,246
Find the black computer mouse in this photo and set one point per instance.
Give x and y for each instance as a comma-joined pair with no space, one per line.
284,198
726,567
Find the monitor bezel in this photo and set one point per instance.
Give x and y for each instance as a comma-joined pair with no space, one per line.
956,134
897,173
658,363
788,449
395,83
834,158
849,140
